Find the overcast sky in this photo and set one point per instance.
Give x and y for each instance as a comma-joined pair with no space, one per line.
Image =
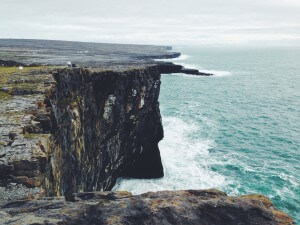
174,22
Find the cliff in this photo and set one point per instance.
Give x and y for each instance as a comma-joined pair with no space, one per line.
66,130
108,125
76,130
200,207
71,130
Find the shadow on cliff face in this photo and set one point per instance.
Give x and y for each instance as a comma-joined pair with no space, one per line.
147,164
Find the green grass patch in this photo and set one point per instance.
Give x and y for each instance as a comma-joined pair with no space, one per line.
35,136
5,96
6,72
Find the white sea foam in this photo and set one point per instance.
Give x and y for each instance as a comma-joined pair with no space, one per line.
180,58
191,66
186,162
217,73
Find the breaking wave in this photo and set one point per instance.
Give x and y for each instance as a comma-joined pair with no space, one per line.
218,73
186,162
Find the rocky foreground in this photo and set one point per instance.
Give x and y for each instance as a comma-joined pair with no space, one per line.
178,207
77,129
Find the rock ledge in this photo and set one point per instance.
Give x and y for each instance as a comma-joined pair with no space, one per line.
166,207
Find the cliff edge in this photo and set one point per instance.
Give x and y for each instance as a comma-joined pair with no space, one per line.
199,207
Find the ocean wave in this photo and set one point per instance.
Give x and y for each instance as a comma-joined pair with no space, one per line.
186,162
217,73
191,66
180,58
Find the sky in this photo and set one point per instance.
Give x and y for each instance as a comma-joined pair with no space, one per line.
163,22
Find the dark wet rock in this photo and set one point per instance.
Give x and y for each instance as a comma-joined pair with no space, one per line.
167,207
10,63
12,135
170,55
195,72
168,67
44,121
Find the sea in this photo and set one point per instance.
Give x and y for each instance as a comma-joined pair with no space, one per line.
237,131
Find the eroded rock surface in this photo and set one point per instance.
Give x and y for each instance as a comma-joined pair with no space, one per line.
77,129
24,130
108,125
199,207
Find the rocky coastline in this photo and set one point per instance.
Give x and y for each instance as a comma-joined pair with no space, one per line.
199,207
72,131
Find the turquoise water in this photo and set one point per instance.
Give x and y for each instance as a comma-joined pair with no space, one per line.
238,131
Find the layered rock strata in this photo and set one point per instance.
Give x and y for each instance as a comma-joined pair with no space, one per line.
78,129
25,135
108,125
199,207
83,129
69,130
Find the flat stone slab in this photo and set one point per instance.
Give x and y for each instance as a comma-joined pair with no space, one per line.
199,207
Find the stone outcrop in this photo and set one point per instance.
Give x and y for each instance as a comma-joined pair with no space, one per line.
83,129
108,125
23,123
78,129
199,207
168,67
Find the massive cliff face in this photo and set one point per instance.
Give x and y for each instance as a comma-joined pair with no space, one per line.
108,125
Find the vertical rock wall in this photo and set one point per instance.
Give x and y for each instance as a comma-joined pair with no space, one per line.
108,125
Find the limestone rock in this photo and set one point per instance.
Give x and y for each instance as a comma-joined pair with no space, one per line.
99,137
199,207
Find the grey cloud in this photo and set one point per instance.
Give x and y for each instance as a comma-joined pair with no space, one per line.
188,22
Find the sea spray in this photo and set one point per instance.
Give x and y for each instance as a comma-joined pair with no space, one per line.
186,162
238,133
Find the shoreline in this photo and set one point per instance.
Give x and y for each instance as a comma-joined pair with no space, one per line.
117,95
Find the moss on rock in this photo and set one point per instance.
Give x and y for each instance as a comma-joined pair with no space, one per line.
4,96
35,136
